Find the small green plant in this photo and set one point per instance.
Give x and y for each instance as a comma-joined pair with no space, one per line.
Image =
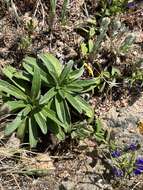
31,25
53,5
115,36
112,38
137,74
25,43
25,102
94,130
65,86
64,10
26,40
111,7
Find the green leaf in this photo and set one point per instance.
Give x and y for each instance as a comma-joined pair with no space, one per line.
22,129
12,90
61,134
32,132
46,112
13,105
53,4
17,121
76,74
39,118
65,72
29,68
61,92
84,49
81,131
11,72
30,60
106,74
50,94
129,40
72,100
99,125
92,32
52,63
29,63
71,88
64,9
62,111
115,71
90,45
85,106
84,83
36,84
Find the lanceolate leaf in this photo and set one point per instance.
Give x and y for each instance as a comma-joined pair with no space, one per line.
12,90
72,88
53,65
58,105
17,121
13,105
36,84
51,115
85,83
12,73
65,72
22,129
32,132
29,67
74,75
30,61
85,106
72,100
62,110
50,94
41,122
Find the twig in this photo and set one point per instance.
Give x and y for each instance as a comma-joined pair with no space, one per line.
136,185
15,12
43,14
38,2
15,181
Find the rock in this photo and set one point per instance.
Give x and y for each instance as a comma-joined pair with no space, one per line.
67,185
125,117
122,123
13,142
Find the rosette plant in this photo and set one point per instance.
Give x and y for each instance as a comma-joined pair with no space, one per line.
65,86
24,99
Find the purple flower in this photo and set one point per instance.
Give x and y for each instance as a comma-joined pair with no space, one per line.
139,167
117,172
132,147
131,5
139,161
116,154
137,172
